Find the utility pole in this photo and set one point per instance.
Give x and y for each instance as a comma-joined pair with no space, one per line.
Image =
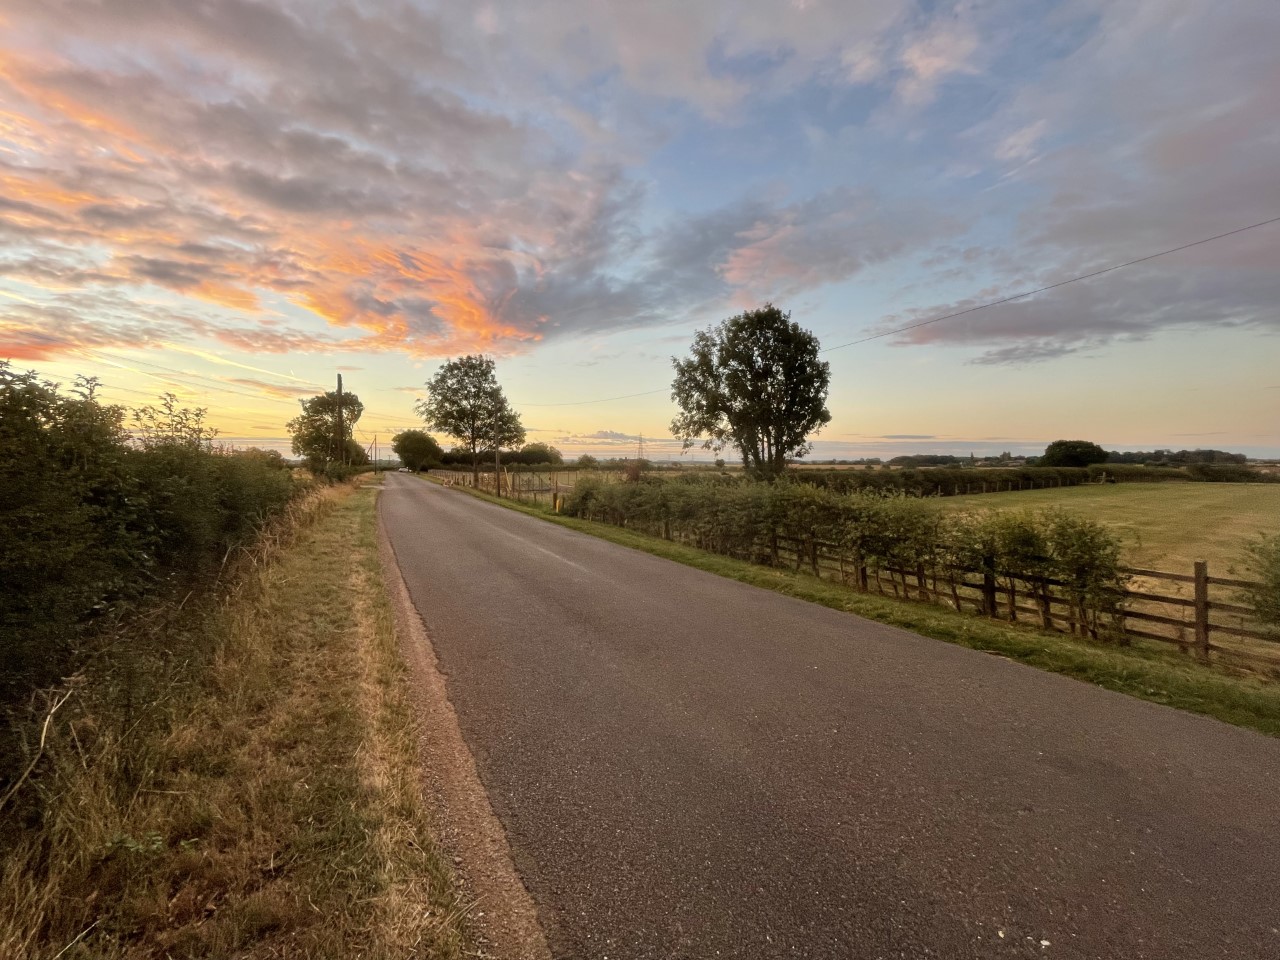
640,448
337,427
375,454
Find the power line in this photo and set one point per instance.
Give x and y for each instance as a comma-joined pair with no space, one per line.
1051,286
219,386
176,374
579,403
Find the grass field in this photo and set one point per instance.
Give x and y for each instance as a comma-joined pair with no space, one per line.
1164,526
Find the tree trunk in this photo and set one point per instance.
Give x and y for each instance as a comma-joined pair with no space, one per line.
497,470
475,467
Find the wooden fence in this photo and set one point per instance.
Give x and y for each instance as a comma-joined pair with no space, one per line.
1196,612
527,486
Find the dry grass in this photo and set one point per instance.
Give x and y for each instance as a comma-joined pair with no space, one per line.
248,787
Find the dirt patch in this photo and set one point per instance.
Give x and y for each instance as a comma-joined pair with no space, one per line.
502,915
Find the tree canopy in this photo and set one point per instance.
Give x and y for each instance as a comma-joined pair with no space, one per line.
315,431
1072,453
417,450
465,401
534,453
755,383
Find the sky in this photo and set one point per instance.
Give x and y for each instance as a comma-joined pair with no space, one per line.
236,201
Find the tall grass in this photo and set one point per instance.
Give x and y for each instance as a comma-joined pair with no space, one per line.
242,779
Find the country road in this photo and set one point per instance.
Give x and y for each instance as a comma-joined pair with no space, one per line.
689,767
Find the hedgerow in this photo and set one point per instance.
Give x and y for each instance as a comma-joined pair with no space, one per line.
958,481
97,516
1049,554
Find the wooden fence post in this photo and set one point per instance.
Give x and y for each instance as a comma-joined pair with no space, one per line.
1202,608
989,595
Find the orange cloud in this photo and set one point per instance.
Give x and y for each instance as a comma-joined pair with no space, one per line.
139,184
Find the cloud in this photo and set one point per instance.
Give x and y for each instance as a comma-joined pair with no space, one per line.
943,49
1021,144
425,182
1154,129
378,177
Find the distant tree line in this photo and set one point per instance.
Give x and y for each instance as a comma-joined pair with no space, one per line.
1178,458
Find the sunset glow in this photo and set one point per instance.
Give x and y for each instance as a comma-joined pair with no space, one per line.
236,201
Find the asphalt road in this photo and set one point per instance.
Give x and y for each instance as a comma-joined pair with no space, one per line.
690,767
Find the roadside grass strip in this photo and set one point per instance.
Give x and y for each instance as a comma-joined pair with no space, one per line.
1165,677
265,802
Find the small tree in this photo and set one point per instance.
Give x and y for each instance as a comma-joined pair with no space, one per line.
754,383
465,401
587,462
318,437
1072,453
417,450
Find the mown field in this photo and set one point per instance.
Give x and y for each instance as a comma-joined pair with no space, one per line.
1164,526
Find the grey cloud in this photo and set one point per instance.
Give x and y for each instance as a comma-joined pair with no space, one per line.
1158,130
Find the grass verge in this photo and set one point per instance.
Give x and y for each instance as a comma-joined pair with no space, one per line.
257,796
1161,676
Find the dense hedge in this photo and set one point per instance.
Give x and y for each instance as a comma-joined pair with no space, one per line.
747,520
943,481
95,518
952,481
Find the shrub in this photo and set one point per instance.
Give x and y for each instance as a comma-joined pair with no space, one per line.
95,519
1086,558
1227,473
1262,562
896,533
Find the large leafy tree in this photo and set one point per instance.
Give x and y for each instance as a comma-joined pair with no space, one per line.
465,401
417,450
754,383
316,430
1072,453
534,453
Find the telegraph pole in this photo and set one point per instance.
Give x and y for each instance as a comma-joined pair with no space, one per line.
337,427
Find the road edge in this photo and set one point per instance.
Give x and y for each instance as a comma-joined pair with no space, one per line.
502,914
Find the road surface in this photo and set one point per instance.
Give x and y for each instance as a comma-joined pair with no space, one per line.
689,767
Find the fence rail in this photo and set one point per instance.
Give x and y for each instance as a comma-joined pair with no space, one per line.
528,486
1201,627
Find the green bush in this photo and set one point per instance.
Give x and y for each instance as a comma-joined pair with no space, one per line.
1261,561
1227,473
1037,553
96,519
